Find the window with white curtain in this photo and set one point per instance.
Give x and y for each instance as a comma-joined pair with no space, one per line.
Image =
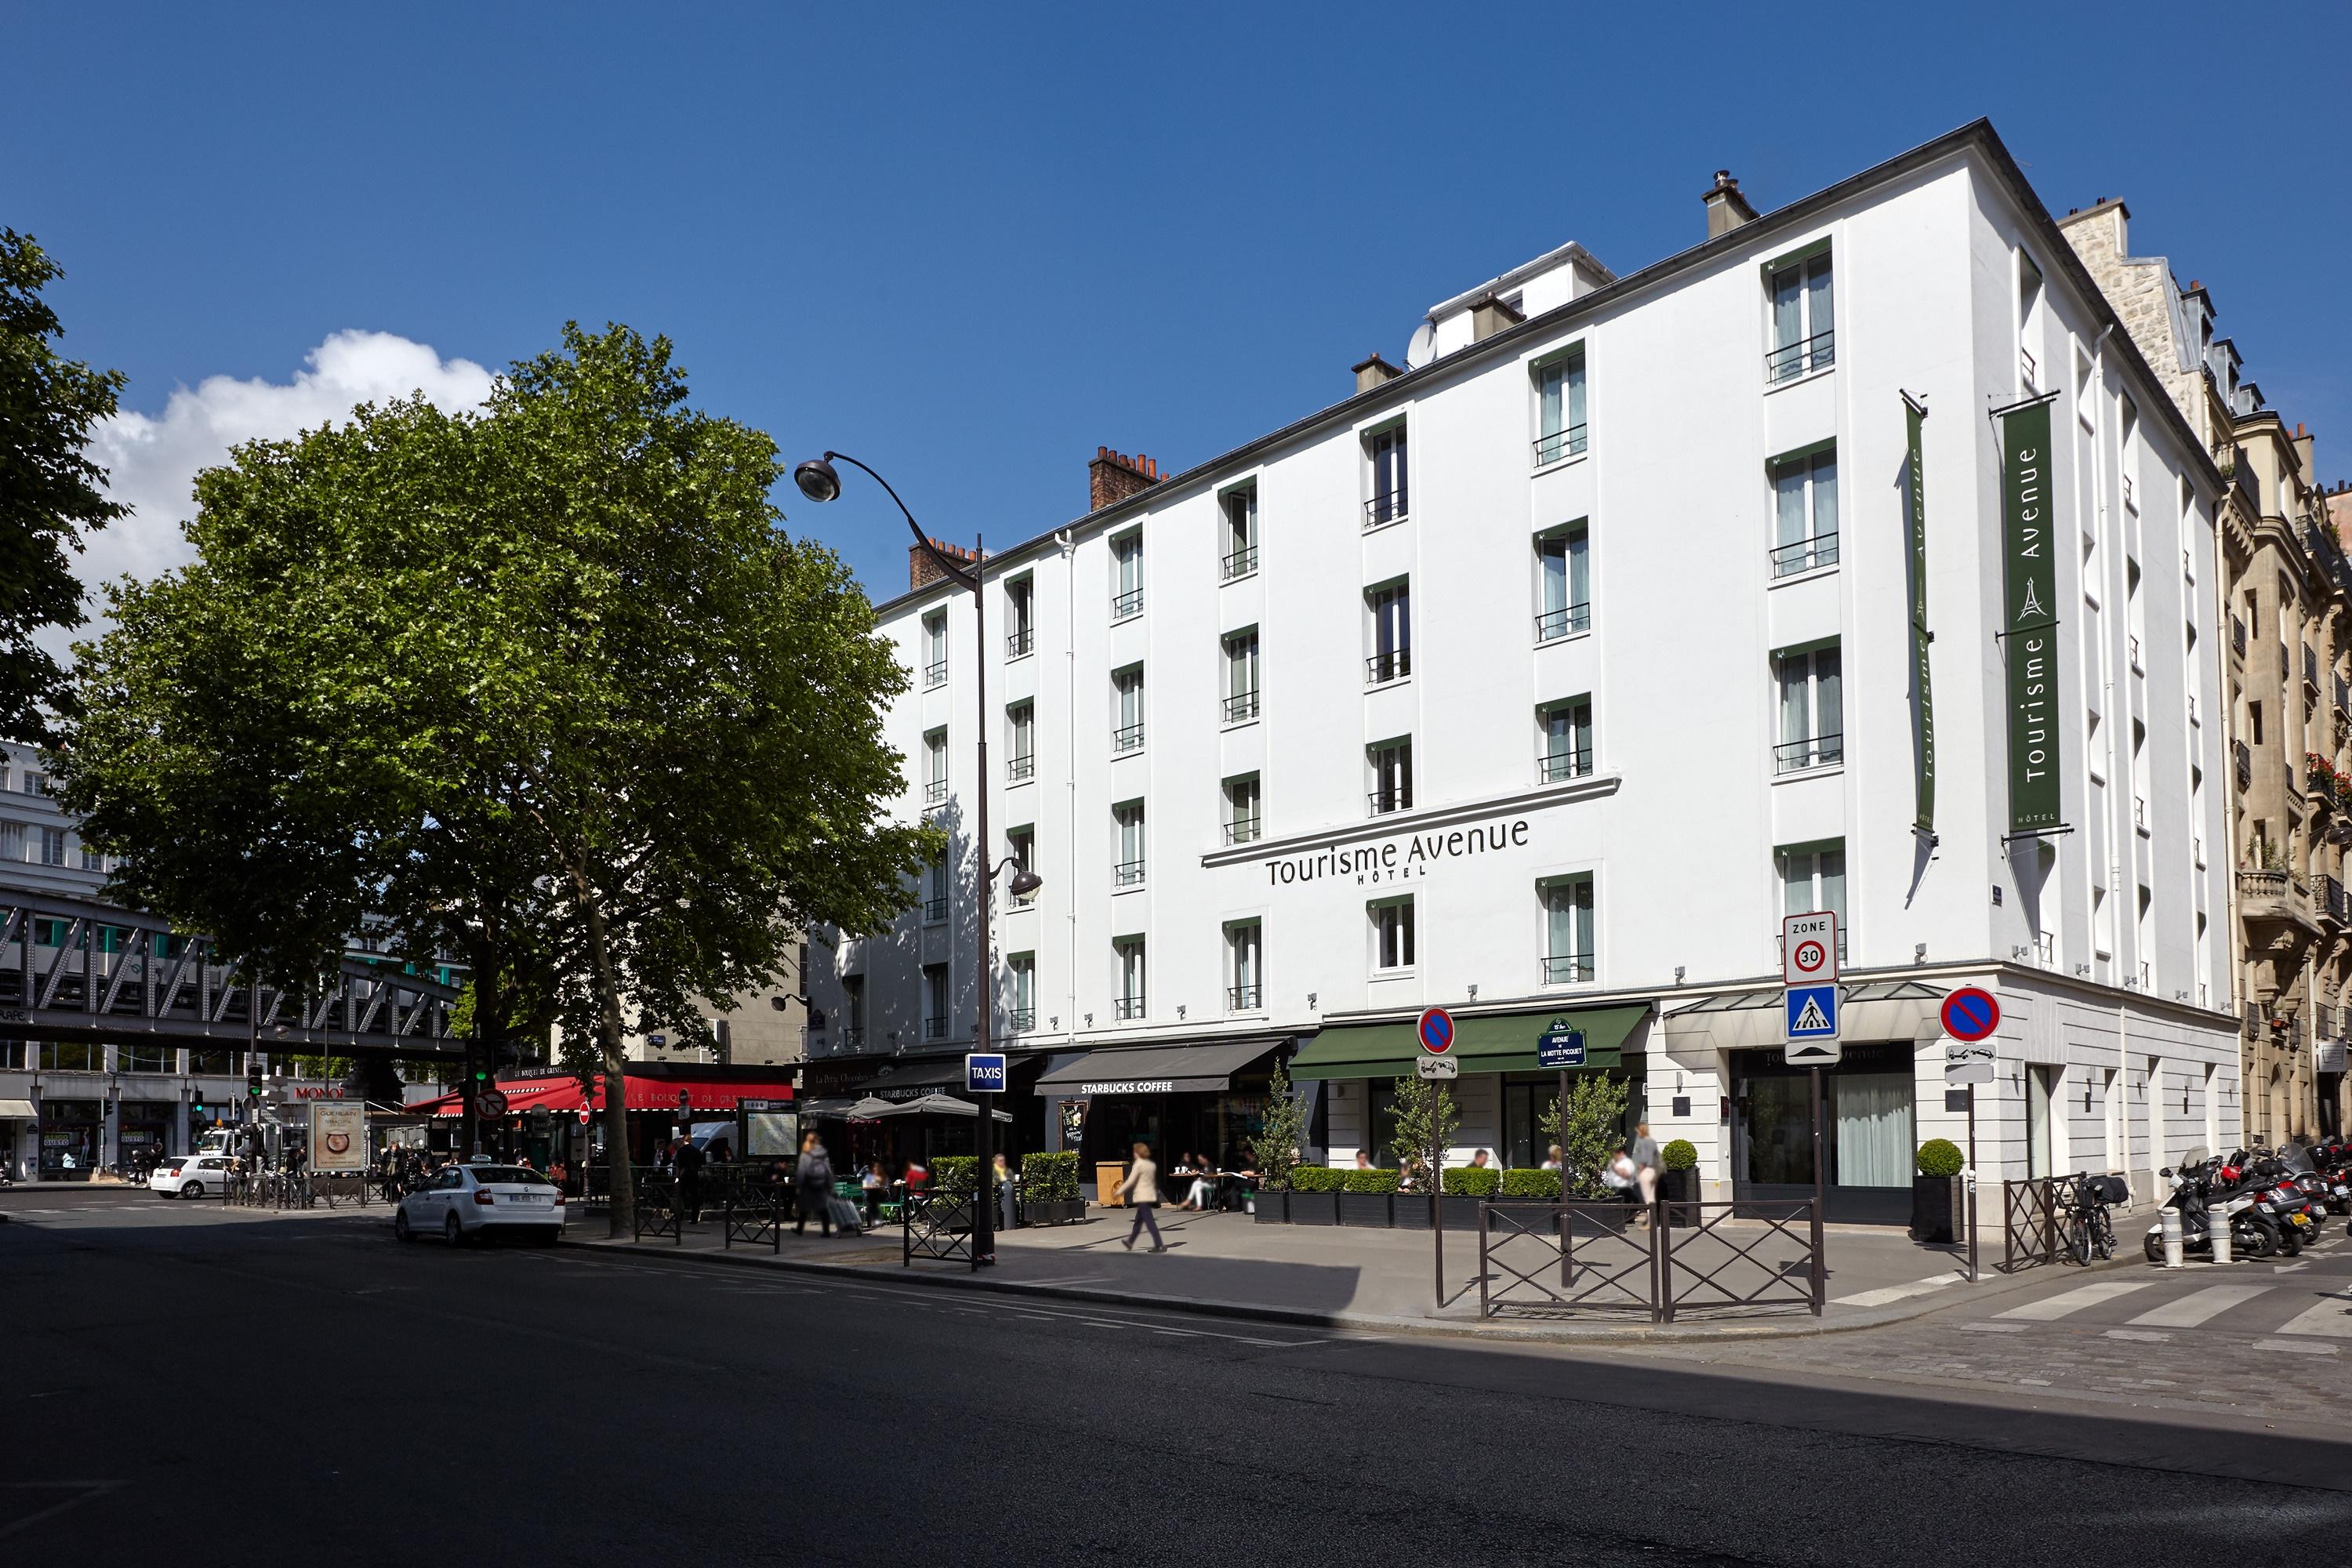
1021,721
1567,931
1566,747
1563,583
1812,879
1241,676
1128,952
1389,610
935,767
1872,1112
1126,575
1385,450
1021,985
935,649
1392,777
1812,711
1805,513
1242,820
935,1001
1392,934
1127,821
1244,957
1240,508
1559,407
1804,336
1127,707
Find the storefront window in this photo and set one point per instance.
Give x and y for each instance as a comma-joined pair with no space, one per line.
58,1058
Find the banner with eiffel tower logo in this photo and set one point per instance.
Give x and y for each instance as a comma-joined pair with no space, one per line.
2028,617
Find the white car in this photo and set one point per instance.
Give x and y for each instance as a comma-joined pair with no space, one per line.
473,1201
191,1176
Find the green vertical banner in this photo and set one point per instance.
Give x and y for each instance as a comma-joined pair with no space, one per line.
2029,618
1922,733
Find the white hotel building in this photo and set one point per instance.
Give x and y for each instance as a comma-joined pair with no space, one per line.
1540,679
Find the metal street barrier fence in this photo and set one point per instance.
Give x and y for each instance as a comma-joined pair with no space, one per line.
932,1224
658,1211
1660,1260
753,1214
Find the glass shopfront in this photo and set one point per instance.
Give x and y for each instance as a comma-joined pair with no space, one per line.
1867,1132
71,1130
146,1131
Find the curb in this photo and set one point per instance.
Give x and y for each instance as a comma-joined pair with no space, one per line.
1992,1287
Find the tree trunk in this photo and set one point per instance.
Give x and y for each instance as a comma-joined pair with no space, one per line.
616,1096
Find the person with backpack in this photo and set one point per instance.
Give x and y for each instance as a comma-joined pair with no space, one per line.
813,1180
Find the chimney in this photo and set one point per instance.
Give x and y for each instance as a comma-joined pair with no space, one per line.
922,568
1726,209
1487,317
1373,371
1115,476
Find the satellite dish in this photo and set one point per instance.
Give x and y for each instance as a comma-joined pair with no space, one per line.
1421,350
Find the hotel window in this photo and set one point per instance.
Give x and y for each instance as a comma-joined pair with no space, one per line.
1021,842
1563,583
1020,719
1244,950
12,841
1805,512
91,860
1391,771
1391,932
1559,407
1020,599
852,1012
1241,676
1128,952
1239,558
935,649
1812,714
53,846
1566,740
1126,714
1242,823
1804,336
1388,629
935,891
35,782
1127,576
1391,499
935,767
1127,819
1021,983
1813,881
935,1001
1567,931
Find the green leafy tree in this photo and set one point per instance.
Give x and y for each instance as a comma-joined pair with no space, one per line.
1593,1128
1426,1115
545,685
50,492
1281,1132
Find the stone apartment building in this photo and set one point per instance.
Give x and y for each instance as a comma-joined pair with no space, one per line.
2286,594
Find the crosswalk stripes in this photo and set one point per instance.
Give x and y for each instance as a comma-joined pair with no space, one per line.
2199,1306
2332,1317
2068,1303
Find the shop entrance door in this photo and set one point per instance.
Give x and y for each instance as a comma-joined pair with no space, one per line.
1865,1133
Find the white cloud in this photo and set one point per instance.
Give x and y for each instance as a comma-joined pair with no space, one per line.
152,460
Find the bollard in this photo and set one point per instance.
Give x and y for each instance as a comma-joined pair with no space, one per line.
2217,1229
2172,1223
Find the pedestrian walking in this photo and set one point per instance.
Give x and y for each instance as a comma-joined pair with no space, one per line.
1005,1209
1142,1188
688,1165
813,1180
1644,1154
870,1185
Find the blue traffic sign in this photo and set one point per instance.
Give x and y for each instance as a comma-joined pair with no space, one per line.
1560,1047
1970,1014
1436,1031
984,1072
1812,1012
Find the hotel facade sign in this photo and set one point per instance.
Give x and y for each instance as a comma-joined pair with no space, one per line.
1396,859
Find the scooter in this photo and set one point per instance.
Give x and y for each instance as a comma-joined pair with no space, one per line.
2251,1234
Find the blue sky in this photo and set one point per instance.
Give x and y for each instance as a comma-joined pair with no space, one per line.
970,244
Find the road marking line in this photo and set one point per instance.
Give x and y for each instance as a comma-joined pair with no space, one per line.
2304,1346
2136,1334
1881,1296
1995,1328
2332,1317
2199,1305
2071,1301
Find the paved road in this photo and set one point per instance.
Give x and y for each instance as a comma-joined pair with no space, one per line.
180,1379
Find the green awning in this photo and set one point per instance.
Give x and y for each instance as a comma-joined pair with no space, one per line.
1483,1042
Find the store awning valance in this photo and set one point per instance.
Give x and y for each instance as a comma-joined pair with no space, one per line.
563,1095
1483,1042
912,1081
1881,1010
16,1109
1191,1065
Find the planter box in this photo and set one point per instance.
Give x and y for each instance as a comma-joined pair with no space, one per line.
1053,1211
1679,1187
1461,1212
1533,1215
1934,1202
1271,1207
1315,1208
1367,1208
1408,1211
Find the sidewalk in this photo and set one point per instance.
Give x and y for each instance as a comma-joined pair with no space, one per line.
1383,1280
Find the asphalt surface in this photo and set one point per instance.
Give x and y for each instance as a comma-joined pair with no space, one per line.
184,1380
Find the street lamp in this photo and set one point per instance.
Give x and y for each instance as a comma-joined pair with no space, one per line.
820,482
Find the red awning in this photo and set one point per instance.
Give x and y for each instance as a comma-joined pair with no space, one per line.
563,1095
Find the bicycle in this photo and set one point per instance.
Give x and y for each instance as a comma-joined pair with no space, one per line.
2088,1229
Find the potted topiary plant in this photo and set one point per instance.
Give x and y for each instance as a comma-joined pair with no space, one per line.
1367,1197
1678,1178
1281,1133
1315,1194
1934,1190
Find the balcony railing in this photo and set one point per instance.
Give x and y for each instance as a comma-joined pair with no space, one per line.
935,1028
1553,624
1792,360
936,673
2236,636
1384,508
1799,756
1128,874
1568,969
1242,830
2336,908
1126,1009
2245,759
935,911
1392,665
934,791
1385,801
1241,562
1128,604
1241,706
1127,738
1023,765
1805,554
1241,999
2311,670
1553,766
1018,1019
1560,443
2342,695
1017,645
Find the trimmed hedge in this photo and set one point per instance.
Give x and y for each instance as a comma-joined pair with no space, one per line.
952,1174
1369,1181
1472,1181
1317,1179
1940,1157
1050,1177
1530,1183
1679,1155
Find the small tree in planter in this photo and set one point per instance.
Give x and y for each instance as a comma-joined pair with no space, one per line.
1426,1116
1588,1133
1280,1134
1933,1194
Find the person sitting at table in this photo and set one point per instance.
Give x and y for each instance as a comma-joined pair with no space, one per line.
1202,1191
1363,1160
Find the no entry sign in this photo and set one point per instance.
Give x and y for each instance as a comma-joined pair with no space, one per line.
1970,1014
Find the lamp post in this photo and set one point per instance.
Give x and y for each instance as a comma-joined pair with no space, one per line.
818,481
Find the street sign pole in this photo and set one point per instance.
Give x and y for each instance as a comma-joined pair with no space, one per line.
1820,1269
1973,1184
1434,1033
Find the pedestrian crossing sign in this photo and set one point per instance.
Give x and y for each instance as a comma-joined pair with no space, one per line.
1812,1019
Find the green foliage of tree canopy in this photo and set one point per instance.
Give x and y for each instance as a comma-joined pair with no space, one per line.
50,491
1281,1132
1594,1126
1425,1114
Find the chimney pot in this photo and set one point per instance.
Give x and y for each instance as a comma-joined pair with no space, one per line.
1113,477
1374,371
1726,209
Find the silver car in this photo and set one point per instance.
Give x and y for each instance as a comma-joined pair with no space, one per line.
466,1201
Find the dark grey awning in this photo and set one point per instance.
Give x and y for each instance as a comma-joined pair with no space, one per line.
1176,1068
912,1081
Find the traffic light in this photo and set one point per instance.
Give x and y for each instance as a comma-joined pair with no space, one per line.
252,1076
197,1105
